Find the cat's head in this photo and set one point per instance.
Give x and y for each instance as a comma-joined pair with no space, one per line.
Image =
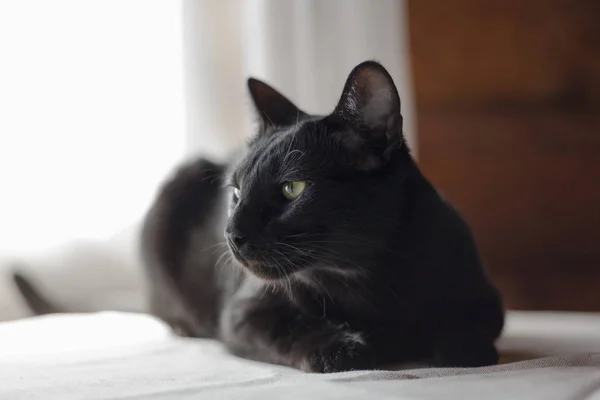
313,191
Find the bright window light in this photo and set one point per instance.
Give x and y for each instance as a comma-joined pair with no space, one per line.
91,115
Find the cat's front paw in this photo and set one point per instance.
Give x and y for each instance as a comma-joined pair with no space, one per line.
343,351
464,352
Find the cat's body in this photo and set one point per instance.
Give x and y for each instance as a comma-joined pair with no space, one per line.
367,266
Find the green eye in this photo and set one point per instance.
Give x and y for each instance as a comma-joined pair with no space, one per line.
292,190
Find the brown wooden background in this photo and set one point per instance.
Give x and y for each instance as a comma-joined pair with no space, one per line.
508,97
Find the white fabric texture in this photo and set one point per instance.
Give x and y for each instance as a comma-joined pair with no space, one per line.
132,356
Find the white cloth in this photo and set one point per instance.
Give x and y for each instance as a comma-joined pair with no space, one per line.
130,356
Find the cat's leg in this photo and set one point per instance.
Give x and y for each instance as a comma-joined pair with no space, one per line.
464,349
272,330
467,339
167,305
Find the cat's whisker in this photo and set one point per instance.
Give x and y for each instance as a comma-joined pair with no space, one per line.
296,235
328,255
316,259
225,253
295,248
224,264
216,247
303,257
288,283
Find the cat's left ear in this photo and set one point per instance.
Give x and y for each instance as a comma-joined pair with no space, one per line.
370,107
274,109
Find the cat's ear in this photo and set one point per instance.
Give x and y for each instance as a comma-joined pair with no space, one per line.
370,107
273,108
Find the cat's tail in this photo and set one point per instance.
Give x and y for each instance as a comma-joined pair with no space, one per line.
36,302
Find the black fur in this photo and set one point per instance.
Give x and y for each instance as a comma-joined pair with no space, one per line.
368,266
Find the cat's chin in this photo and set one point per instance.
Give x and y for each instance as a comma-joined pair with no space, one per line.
262,271
265,272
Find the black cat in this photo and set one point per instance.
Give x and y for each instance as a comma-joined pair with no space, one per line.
338,255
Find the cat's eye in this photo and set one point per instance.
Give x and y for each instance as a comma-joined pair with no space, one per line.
291,190
236,193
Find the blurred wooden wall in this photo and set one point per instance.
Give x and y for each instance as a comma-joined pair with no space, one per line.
508,96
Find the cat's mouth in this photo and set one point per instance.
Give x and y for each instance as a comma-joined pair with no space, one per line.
262,270
265,272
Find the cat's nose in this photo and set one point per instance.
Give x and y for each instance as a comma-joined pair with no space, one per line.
237,239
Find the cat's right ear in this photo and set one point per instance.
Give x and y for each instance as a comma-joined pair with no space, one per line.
370,110
273,108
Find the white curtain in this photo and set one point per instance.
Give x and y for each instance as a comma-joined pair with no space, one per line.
99,99
305,48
